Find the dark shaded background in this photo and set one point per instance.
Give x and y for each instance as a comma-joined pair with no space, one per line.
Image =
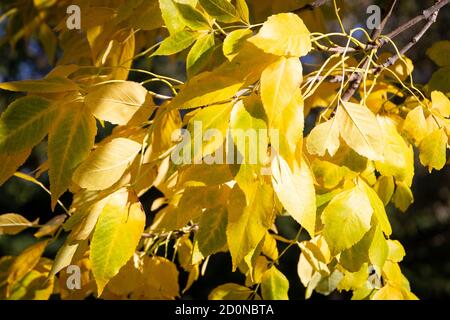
424,229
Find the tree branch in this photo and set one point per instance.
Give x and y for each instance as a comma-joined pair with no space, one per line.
311,6
172,234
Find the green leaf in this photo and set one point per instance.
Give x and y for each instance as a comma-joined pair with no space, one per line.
346,219
116,102
274,285
176,43
25,123
211,235
70,141
199,54
106,164
116,236
193,18
296,192
222,10
283,34
11,223
433,150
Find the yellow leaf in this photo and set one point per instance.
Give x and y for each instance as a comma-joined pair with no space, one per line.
106,164
398,158
247,224
396,251
10,164
160,278
295,189
274,285
211,235
51,226
47,85
433,150
24,263
116,102
403,197
25,123
440,103
324,137
346,219
360,130
230,291
415,125
116,236
11,223
234,42
283,34
70,141
279,82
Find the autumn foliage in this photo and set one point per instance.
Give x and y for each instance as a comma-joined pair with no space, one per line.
244,74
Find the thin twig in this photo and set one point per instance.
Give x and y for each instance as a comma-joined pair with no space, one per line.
171,234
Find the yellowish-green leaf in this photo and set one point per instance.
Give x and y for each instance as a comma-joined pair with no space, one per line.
199,53
47,85
211,234
171,16
242,9
176,43
440,53
212,120
295,189
247,224
106,164
230,291
274,285
25,123
279,82
360,130
116,102
398,158
70,141
193,18
283,34
24,263
116,236
222,10
346,219
12,223
378,207
433,150
234,42
10,164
